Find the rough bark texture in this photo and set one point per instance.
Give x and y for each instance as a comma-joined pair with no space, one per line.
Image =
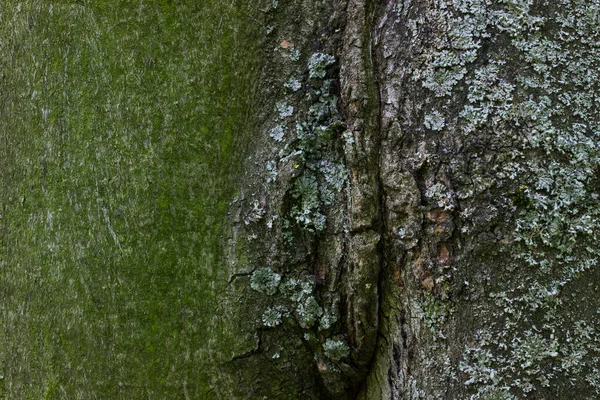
459,255
488,157
412,213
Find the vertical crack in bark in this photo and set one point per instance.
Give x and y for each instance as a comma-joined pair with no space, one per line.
361,102
376,116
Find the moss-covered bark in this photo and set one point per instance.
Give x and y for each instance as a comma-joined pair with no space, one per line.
122,126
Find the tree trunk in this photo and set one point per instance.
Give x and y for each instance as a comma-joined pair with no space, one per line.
347,199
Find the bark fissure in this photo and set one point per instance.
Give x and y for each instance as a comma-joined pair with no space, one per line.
419,231
375,97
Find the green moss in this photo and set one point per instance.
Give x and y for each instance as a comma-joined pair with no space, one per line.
121,123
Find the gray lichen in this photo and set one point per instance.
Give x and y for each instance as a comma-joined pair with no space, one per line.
307,213
272,316
434,121
277,133
293,84
318,63
284,110
308,311
264,280
515,84
336,350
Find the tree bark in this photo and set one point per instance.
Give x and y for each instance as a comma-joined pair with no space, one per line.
412,211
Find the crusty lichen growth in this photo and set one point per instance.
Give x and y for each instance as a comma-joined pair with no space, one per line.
265,280
516,81
318,180
336,350
295,212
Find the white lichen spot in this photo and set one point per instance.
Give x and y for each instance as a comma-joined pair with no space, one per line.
327,321
335,350
335,174
435,121
295,54
272,317
264,280
440,196
308,212
277,133
284,109
308,311
293,84
272,171
255,214
348,137
318,63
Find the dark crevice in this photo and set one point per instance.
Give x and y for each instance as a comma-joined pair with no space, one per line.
370,112
233,277
256,351
403,333
374,116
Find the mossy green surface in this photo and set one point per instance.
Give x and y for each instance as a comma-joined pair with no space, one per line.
119,124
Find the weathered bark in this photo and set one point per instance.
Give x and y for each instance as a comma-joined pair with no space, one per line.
412,213
488,171
469,208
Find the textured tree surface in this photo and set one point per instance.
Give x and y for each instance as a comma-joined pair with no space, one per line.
348,199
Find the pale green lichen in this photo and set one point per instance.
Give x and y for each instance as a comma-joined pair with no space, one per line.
328,319
308,211
434,313
272,171
324,108
284,110
434,121
335,174
272,316
308,312
296,289
256,213
318,63
295,54
535,112
277,133
336,350
323,175
348,137
264,280
444,67
318,176
293,84
440,196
